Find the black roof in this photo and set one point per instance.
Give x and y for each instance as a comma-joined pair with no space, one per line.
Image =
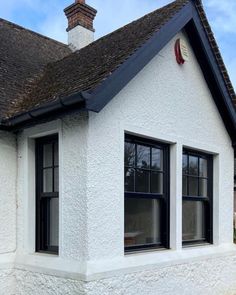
23,56
88,67
90,77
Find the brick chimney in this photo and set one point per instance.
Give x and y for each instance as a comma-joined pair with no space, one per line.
80,24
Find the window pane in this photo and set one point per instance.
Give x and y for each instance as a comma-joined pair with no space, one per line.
193,220
157,159
142,222
47,155
193,165
193,186
202,167
143,156
157,183
203,187
185,164
56,180
185,186
129,154
142,181
56,157
47,180
129,180
54,222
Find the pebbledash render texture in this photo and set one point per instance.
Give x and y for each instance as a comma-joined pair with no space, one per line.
66,112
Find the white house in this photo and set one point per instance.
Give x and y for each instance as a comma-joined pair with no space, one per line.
116,159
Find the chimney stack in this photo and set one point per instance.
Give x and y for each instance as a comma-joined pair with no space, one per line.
80,24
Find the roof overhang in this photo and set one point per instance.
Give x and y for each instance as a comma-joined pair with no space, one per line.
187,18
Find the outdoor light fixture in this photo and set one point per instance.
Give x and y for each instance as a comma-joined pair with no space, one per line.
181,51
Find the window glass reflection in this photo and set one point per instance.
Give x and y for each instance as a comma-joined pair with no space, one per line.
142,222
47,155
129,154
193,220
142,181
143,156
157,159
193,165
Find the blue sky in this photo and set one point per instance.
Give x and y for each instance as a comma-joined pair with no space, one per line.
47,17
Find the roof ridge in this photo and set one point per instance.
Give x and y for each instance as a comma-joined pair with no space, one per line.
31,31
78,53
84,70
121,28
215,48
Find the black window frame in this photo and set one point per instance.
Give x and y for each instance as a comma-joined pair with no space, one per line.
42,210
234,173
206,200
164,197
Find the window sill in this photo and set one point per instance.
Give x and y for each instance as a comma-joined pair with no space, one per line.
147,261
104,268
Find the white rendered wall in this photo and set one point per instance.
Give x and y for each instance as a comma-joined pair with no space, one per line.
165,102
7,193
79,37
8,209
169,103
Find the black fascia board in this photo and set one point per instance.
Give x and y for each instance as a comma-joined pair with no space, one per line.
212,63
213,77
101,95
95,100
187,18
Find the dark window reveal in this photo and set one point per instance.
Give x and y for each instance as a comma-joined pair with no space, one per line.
47,194
197,197
234,174
146,194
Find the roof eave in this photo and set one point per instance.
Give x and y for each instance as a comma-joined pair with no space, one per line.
187,16
101,95
59,106
96,100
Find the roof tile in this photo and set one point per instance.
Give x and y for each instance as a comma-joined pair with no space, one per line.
88,67
23,55
46,70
